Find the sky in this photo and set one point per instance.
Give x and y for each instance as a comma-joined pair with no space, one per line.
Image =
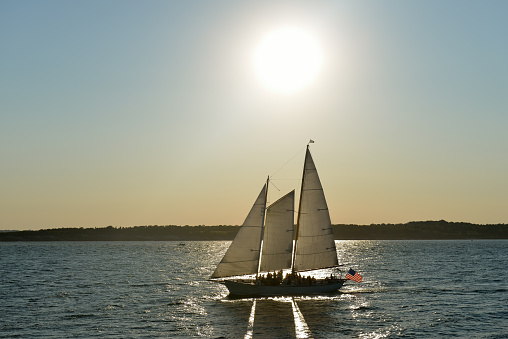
129,113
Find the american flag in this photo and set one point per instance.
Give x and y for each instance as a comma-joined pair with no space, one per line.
353,276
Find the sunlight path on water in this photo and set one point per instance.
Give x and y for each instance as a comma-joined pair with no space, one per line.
250,328
301,328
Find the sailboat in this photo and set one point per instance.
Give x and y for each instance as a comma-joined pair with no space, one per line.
268,240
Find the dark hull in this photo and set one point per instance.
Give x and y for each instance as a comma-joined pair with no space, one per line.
240,288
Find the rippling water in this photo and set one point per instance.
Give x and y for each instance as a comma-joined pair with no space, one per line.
412,289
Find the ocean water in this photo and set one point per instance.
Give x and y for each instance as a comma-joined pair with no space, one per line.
411,289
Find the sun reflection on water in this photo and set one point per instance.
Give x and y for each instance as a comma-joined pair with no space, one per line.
392,331
301,328
268,314
250,328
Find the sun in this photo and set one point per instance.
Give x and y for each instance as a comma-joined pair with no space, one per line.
288,60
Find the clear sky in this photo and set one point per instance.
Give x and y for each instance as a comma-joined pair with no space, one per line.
131,113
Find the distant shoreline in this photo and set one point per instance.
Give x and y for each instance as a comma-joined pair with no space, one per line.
414,230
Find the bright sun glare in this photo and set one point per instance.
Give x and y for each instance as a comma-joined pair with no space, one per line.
288,60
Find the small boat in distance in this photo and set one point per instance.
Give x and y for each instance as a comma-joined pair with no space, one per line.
270,242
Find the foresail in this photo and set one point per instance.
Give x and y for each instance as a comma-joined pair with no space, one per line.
315,246
243,253
278,234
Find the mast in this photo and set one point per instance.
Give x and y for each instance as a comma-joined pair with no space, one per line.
299,210
262,228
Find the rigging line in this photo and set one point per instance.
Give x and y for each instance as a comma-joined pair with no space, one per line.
298,179
271,182
294,156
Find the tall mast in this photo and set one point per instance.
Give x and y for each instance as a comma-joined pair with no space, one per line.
299,210
262,228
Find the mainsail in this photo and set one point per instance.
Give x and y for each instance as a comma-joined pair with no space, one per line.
278,234
242,257
315,246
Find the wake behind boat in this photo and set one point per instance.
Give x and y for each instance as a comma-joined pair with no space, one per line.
270,242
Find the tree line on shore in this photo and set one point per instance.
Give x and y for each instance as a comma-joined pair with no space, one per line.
418,230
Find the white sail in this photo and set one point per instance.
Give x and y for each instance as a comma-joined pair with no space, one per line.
315,246
243,253
278,234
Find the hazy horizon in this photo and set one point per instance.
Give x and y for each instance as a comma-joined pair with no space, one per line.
422,226
129,113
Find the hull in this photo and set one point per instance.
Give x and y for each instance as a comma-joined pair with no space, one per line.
239,288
